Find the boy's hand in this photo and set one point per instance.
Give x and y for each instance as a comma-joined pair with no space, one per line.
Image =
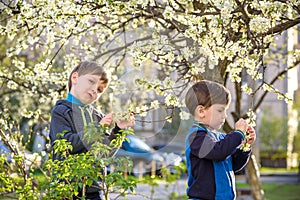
242,125
251,135
128,121
107,119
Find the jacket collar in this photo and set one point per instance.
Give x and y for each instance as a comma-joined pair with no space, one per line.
74,100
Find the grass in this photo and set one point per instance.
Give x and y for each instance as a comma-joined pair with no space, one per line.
39,177
273,191
277,191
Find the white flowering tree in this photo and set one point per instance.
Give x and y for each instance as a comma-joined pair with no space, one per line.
153,50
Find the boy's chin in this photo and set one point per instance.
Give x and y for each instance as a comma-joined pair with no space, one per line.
88,102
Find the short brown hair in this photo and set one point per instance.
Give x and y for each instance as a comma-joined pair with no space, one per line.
206,93
86,67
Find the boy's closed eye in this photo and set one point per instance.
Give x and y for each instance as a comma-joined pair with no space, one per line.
221,110
91,81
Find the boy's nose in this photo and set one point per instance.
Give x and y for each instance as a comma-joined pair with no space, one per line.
94,89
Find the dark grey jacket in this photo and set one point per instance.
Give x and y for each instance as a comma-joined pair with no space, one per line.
70,119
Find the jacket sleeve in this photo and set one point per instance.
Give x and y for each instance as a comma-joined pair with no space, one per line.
240,159
114,132
204,146
62,123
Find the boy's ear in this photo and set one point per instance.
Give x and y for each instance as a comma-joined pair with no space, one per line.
74,77
200,110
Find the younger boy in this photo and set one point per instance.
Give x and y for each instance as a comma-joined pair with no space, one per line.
213,157
87,82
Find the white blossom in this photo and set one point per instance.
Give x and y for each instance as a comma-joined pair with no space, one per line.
251,118
171,37
259,24
247,89
12,85
184,115
155,104
142,110
168,12
196,70
3,123
171,100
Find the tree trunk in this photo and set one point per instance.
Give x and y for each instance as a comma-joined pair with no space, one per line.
254,179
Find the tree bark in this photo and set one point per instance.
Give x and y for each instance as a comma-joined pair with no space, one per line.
254,179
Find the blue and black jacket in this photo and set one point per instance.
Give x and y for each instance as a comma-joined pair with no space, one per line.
212,159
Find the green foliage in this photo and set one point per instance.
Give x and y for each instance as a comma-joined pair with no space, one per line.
26,190
272,170
297,143
16,167
18,181
273,155
68,175
78,171
167,176
272,132
6,182
171,177
73,172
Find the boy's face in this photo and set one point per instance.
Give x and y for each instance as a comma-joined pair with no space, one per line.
87,88
215,115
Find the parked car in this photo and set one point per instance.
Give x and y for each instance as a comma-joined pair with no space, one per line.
143,156
6,152
175,148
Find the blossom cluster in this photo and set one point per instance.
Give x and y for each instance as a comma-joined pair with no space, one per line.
183,40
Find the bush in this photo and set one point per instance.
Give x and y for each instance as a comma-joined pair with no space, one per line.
63,178
273,159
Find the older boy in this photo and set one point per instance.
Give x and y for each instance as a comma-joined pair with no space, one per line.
213,157
87,82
